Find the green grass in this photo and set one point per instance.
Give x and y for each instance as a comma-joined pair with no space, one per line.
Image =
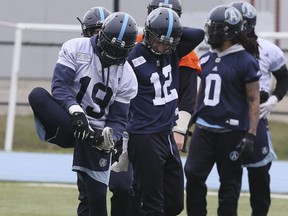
26,200
23,199
25,137
29,199
279,135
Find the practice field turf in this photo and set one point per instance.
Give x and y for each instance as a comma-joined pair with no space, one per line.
31,199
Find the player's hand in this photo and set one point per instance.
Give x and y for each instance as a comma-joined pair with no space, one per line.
80,125
102,140
246,148
122,164
179,139
266,108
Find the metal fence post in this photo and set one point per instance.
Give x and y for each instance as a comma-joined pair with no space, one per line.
13,91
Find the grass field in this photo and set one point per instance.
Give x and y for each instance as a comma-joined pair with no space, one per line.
30,199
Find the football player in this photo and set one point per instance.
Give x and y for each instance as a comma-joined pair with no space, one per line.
125,198
92,86
272,62
56,131
152,149
189,69
227,112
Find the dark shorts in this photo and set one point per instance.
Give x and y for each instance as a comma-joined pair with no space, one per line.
263,148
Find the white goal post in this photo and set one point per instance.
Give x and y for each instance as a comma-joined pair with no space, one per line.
19,28
18,39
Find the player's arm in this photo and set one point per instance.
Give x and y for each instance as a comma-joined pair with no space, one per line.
186,102
281,76
190,39
187,89
246,145
253,98
186,99
62,81
117,119
118,112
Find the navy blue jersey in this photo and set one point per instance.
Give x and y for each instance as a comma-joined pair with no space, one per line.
154,109
222,99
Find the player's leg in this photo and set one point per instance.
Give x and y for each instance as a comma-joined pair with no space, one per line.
83,207
93,171
198,165
122,192
259,186
148,171
92,196
173,173
258,175
136,201
51,120
230,172
120,184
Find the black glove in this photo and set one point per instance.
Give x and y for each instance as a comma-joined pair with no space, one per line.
263,96
102,140
246,148
80,125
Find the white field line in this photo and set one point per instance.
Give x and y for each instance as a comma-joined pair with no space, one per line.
275,195
210,193
52,185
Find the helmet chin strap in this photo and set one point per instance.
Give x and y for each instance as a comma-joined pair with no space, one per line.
107,61
104,63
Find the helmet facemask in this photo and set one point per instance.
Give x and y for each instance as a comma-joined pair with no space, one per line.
224,23
166,44
162,31
117,38
214,35
89,31
113,51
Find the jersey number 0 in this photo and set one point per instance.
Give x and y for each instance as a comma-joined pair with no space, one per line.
212,90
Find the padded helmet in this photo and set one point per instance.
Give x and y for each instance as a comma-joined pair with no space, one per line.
117,37
223,23
162,26
93,19
249,15
172,4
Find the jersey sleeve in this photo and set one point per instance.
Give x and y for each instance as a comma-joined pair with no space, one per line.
128,86
187,89
63,76
252,70
191,60
67,55
190,39
277,57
